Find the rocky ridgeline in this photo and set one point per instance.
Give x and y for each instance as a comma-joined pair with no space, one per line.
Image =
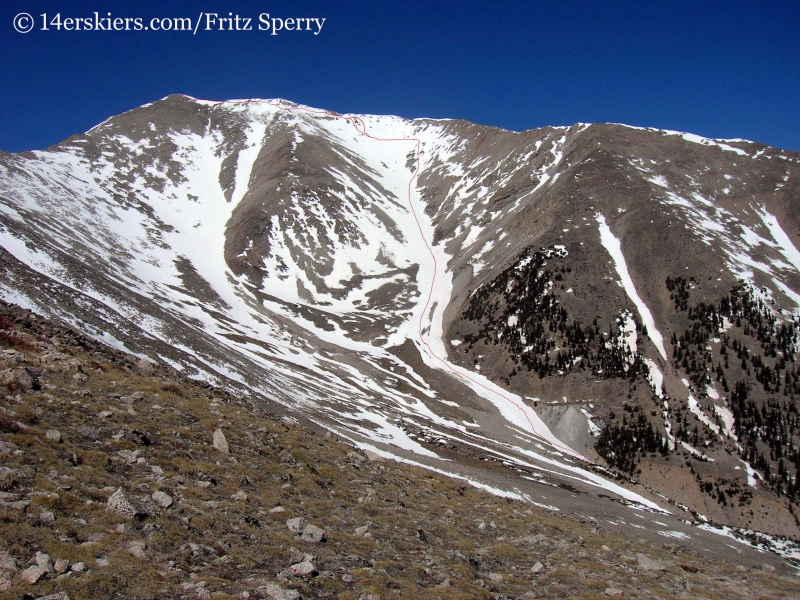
121,479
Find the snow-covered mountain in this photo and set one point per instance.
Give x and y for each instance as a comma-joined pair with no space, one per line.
517,309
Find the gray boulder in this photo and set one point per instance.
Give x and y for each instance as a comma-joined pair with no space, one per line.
276,592
78,567
145,367
312,534
303,569
20,378
119,503
137,549
648,564
61,566
163,499
45,561
306,531
33,574
296,525
221,442
7,562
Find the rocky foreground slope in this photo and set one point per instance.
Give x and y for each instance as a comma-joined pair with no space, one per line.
119,479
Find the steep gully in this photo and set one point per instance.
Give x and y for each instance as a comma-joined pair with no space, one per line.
361,128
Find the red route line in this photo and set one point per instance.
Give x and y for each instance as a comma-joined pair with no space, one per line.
361,128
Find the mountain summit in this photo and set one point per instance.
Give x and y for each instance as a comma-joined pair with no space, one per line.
590,317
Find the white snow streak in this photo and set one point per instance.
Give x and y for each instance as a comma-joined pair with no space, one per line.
614,248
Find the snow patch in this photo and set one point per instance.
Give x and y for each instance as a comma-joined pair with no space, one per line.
695,409
752,474
696,452
614,248
655,377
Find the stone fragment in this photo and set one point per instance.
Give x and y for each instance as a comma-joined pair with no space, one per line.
47,517
356,457
8,477
220,442
145,367
296,525
129,456
72,365
11,357
298,557
163,499
33,574
7,562
307,532
648,564
45,561
102,562
19,378
373,456
120,504
369,597
61,566
78,567
537,567
240,495
312,534
54,435
276,592
89,433
614,592
304,568
362,531
277,509
56,596
137,549
767,568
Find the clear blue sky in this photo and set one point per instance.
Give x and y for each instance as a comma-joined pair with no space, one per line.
719,69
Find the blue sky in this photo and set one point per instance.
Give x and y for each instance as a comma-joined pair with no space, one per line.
719,69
